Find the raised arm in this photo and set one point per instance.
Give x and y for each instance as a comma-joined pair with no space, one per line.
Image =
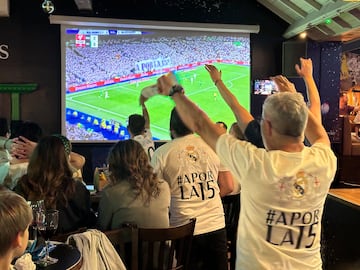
76,160
190,113
225,182
145,112
243,117
305,70
314,131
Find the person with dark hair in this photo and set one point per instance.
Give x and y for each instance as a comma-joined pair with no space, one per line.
30,130
139,129
193,170
222,124
28,135
4,128
135,193
15,218
136,124
76,160
49,178
236,131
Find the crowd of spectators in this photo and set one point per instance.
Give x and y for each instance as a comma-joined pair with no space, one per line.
121,57
74,132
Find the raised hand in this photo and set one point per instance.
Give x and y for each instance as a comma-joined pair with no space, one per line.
215,74
283,84
22,148
164,84
306,67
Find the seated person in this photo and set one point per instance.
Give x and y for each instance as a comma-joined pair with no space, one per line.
19,163
23,148
49,178
135,194
4,153
344,107
15,218
139,129
76,161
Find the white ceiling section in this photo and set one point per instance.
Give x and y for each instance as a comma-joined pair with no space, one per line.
310,16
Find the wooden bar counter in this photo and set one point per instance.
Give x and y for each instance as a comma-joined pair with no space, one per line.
341,230
348,195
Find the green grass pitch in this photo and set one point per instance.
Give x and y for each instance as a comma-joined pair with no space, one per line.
123,97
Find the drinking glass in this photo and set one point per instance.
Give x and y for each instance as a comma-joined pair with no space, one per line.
47,223
36,206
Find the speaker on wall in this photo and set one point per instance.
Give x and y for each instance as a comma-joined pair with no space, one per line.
291,53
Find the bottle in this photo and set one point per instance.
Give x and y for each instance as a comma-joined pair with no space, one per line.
100,180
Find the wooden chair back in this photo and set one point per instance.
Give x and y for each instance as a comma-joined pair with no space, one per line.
125,241
165,248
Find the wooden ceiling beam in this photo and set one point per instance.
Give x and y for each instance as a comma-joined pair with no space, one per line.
314,4
327,11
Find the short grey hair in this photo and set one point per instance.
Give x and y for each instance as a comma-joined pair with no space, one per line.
287,113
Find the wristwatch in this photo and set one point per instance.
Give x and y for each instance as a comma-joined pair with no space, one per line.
176,89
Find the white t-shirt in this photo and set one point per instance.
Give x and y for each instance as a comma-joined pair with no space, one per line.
16,171
4,164
191,168
282,199
147,142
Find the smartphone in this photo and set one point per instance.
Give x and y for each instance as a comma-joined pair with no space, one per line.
264,87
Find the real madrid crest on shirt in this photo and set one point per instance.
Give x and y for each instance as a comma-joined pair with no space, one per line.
300,185
192,154
303,184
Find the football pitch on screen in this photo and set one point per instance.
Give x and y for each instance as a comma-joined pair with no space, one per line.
118,101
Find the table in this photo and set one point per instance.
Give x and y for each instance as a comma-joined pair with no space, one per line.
348,195
69,258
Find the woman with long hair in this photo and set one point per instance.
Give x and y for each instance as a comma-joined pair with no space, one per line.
49,178
135,193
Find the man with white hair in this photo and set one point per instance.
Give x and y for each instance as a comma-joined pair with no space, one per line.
284,186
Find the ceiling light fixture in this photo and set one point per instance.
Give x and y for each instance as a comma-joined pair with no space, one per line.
303,35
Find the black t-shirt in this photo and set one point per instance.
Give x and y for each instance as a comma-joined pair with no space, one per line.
253,134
